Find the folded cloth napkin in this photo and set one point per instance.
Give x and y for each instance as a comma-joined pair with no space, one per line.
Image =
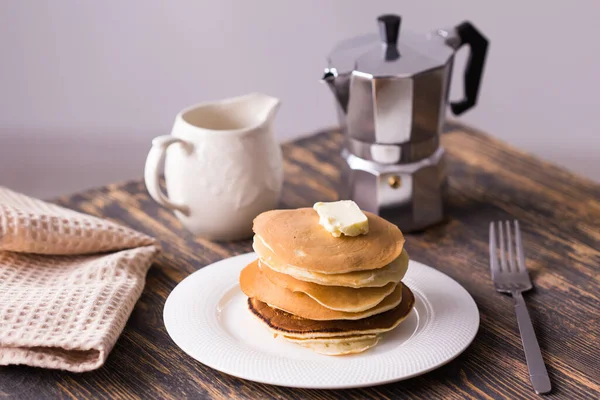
68,283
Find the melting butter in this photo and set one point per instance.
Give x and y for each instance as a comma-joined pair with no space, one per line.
342,217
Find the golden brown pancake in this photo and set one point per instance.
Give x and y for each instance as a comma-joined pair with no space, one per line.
254,283
333,297
338,346
290,325
297,238
393,272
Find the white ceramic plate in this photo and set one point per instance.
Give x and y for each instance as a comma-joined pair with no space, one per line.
207,316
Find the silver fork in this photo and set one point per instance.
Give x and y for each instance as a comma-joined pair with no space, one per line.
510,276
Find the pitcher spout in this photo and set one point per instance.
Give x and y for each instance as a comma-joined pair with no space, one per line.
263,107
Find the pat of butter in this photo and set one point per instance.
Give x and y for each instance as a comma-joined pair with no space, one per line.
342,216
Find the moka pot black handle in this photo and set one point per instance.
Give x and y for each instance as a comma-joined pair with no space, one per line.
469,35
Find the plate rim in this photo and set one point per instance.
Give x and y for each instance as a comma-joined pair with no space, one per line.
329,386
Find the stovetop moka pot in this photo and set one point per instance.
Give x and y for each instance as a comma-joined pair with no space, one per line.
392,91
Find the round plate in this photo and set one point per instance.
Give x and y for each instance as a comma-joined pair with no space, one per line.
207,316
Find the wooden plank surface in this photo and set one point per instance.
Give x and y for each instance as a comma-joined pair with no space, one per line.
488,180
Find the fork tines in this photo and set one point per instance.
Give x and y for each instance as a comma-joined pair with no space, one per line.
510,263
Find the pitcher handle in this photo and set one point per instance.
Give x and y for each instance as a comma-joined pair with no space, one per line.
152,174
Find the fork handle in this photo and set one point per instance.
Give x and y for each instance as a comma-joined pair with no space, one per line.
535,363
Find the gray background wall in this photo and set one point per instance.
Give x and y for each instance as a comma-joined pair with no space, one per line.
84,86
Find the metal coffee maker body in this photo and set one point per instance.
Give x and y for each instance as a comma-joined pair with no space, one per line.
392,92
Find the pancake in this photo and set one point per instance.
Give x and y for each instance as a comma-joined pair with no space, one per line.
333,297
254,283
338,346
289,325
393,272
297,238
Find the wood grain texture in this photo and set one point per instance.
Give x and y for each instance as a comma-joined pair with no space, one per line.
488,180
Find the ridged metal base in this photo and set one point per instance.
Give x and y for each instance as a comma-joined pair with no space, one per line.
409,195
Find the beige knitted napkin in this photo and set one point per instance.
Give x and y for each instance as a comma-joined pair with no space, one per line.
68,283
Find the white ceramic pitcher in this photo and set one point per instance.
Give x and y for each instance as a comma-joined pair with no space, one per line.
223,166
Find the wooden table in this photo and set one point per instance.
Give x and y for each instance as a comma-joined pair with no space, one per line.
560,216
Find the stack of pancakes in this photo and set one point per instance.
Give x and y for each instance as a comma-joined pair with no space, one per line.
333,295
